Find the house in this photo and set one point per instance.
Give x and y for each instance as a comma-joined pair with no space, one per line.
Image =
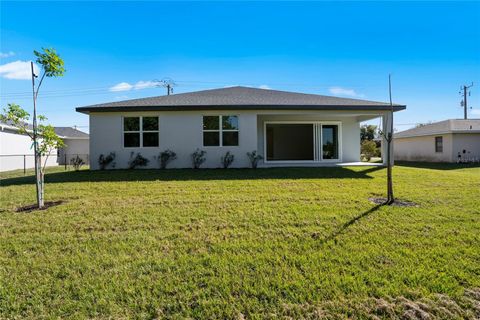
76,144
451,140
286,128
16,150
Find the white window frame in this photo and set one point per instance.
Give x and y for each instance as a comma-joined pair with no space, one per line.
221,130
140,132
317,141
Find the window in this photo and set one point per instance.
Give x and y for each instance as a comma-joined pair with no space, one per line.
330,141
150,131
140,131
438,144
220,131
131,132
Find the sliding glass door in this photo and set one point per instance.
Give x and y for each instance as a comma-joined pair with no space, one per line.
289,142
310,142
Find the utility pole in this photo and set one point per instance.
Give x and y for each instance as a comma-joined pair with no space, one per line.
166,83
464,101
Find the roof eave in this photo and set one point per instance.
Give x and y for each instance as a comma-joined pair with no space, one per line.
87,110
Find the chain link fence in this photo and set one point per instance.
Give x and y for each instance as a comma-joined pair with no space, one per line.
27,161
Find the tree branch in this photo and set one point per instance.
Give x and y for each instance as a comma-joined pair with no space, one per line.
39,84
45,163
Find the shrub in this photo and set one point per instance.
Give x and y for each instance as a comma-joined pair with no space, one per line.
77,162
227,159
103,161
198,158
166,157
137,161
368,149
254,158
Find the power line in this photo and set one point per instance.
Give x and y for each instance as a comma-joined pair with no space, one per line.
166,82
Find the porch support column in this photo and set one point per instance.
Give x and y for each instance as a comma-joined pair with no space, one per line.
386,124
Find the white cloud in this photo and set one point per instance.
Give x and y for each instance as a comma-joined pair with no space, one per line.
339,91
18,70
145,85
122,86
125,86
475,112
264,86
7,54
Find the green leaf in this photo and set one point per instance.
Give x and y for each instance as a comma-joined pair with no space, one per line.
52,64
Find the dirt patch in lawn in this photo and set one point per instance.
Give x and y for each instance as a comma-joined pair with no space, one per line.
397,203
439,306
436,307
33,207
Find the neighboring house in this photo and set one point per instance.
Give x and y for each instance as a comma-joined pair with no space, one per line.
16,150
445,141
76,144
286,128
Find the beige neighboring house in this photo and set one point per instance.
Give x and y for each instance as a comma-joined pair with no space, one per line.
451,140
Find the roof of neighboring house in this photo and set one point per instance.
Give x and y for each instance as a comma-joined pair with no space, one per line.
62,132
442,127
11,126
69,132
239,98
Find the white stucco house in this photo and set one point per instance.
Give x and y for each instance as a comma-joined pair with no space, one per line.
16,151
286,128
454,140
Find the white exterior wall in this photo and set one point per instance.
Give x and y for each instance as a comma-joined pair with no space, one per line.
422,148
12,148
181,132
470,142
74,147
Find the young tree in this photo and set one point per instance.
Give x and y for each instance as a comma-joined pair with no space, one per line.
52,66
387,133
44,137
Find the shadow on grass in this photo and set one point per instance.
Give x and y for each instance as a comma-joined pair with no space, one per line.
436,165
349,223
193,175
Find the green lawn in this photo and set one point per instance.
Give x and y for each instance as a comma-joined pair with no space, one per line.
267,243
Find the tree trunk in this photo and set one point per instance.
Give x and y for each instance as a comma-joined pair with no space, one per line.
390,198
39,180
38,175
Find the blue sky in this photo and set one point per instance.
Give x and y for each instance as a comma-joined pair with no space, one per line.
343,48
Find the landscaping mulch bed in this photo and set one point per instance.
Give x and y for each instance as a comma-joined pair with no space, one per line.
397,203
33,207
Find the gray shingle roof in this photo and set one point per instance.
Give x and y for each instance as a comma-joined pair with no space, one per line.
239,98
63,132
442,127
10,124
69,132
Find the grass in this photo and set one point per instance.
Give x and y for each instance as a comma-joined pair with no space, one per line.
267,243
